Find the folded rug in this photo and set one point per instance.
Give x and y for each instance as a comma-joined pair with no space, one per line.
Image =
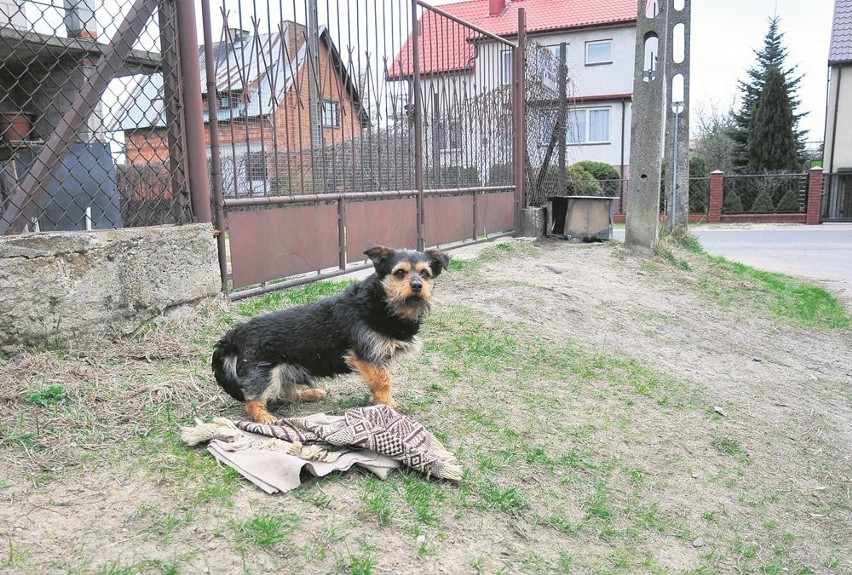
273,456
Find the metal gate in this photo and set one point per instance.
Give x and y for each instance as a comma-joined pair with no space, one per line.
333,128
837,197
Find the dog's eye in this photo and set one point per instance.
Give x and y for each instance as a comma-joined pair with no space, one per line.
399,273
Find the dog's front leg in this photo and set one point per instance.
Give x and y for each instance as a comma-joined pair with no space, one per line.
378,380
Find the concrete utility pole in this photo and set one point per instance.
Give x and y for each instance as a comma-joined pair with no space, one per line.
677,115
314,76
646,129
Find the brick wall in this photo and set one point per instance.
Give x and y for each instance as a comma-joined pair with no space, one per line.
287,129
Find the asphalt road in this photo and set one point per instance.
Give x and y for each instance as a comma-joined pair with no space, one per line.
822,253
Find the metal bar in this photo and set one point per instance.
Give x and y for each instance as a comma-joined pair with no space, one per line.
271,287
171,99
473,27
416,32
518,119
26,197
196,155
219,222
335,196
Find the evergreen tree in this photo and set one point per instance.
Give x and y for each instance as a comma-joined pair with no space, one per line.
772,56
770,143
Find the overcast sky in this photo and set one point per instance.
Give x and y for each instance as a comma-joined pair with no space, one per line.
725,34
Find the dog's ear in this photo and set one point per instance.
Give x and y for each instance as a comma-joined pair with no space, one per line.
439,261
378,255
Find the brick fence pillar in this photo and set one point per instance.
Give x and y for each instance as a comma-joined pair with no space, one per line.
717,186
814,205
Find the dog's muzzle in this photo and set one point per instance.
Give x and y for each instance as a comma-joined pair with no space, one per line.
416,285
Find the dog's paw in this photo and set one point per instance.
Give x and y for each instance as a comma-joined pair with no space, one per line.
389,401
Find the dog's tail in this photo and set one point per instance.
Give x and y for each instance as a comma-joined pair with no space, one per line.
224,365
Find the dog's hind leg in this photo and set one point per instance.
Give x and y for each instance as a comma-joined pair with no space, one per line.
301,393
378,380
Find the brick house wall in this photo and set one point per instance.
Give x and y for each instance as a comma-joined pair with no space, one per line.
287,129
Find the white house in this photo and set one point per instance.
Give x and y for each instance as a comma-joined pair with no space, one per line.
838,128
459,66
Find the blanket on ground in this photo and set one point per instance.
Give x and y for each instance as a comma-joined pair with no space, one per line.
273,456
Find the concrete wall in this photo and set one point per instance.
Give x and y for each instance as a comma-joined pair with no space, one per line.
60,285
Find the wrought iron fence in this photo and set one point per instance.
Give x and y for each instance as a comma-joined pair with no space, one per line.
71,156
765,194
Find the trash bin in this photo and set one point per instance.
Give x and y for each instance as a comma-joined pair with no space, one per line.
582,218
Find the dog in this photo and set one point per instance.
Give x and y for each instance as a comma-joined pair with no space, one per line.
276,356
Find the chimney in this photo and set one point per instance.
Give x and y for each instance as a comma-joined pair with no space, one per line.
80,19
495,7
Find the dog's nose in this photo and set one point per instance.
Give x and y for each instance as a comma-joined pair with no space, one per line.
416,285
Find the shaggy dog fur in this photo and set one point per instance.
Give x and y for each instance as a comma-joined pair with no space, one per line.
275,357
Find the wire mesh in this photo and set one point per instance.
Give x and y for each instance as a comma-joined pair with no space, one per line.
70,153
765,194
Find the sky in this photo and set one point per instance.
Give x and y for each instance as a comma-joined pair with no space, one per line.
725,34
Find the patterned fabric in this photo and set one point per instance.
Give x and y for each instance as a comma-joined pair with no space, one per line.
377,428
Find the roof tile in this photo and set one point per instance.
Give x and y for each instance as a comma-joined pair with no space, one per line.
447,47
840,49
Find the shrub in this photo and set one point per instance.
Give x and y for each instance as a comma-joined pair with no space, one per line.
763,202
500,174
606,175
698,188
731,203
579,182
457,177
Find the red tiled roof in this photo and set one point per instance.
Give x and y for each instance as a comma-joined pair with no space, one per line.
446,47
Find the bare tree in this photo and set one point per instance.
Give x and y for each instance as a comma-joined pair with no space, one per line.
712,140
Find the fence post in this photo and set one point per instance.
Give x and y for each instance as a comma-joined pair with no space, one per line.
418,126
193,114
814,205
518,118
717,187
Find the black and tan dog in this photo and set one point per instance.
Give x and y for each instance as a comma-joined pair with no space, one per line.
274,357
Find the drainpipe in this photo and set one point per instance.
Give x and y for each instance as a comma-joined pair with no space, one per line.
834,121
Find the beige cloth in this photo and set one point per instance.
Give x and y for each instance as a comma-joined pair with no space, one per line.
274,456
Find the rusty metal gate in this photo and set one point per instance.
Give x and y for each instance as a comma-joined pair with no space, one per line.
305,131
333,128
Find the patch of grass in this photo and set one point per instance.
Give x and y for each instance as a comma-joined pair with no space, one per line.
47,395
362,563
731,447
301,295
786,297
508,500
377,497
267,530
422,497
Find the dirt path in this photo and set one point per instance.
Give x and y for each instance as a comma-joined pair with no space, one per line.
749,472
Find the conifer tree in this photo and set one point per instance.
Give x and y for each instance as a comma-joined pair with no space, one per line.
771,57
770,142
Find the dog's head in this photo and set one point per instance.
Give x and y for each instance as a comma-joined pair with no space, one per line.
407,278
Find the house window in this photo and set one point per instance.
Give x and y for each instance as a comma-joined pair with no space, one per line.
330,114
450,135
599,52
585,126
507,67
256,168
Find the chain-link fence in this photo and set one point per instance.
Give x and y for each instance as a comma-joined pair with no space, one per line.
71,156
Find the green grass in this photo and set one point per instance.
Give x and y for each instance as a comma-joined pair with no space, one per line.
267,530
727,282
47,395
301,295
791,299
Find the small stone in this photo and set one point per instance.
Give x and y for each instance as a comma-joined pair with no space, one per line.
757,359
720,410
694,475
421,539
698,542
